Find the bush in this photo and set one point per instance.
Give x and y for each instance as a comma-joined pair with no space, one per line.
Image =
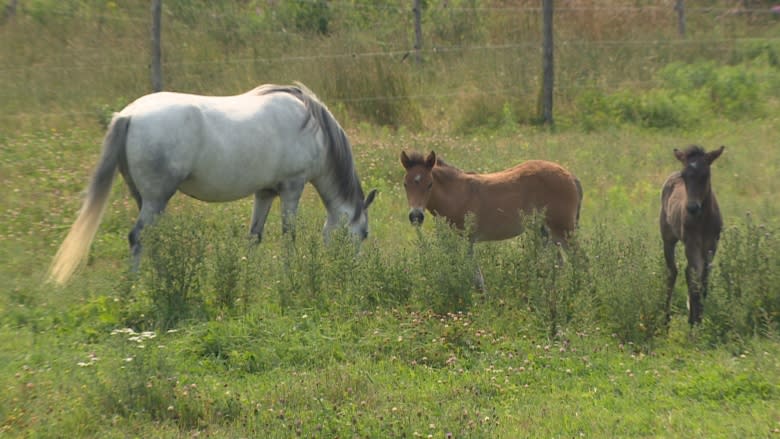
172,269
744,297
444,273
731,91
687,94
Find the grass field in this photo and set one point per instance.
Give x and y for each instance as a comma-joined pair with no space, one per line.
218,338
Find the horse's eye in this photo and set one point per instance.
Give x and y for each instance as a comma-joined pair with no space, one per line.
430,185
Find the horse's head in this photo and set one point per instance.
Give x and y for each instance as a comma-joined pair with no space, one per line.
696,174
418,183
359,224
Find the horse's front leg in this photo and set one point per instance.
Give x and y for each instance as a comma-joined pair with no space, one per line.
479,280
263,200
290,192
671,268
694,275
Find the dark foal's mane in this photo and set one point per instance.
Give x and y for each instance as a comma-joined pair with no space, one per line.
694,151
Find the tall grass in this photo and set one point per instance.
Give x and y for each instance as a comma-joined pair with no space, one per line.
615,282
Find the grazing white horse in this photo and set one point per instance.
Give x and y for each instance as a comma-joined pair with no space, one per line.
267,142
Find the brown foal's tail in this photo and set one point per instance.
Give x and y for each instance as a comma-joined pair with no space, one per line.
579,202
76,244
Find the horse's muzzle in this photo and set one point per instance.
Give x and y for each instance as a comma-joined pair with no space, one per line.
416,216
694,208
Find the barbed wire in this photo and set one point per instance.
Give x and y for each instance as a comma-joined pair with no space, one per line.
716,44
461,93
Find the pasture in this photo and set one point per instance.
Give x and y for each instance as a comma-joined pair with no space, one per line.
217,337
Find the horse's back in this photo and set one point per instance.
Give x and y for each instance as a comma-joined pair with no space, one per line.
537,179
535,185
221,148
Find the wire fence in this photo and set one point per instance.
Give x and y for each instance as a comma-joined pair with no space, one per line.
90,57
717,44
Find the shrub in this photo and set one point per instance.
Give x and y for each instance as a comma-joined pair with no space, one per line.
444,273
172,268
732,91
531,273
744,298
230,263
629,285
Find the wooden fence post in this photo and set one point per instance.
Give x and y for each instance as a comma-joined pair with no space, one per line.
9,11
157,80
417,10
546,96
680,8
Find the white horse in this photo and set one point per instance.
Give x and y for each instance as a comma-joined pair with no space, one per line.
268,142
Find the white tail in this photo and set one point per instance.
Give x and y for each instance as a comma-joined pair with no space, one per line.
76,245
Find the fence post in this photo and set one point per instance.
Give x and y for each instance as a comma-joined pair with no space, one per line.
417,10
9,11
157,81
680,8
546,103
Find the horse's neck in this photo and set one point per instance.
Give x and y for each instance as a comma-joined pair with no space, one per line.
334,202
450,194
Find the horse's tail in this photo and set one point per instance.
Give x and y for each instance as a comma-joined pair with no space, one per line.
76,244
579,202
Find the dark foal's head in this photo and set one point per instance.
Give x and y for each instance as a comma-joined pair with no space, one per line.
418,183
696,174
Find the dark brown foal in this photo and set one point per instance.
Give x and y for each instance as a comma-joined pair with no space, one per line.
690,213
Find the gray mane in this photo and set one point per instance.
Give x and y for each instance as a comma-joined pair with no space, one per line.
339,160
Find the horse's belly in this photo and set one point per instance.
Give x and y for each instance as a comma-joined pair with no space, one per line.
218,182
216,191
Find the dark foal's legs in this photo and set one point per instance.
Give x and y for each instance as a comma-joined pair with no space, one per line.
708,258
695,277
671,267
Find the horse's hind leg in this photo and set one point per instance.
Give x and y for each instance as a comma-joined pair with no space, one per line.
129,181
150,210
708,258
671,267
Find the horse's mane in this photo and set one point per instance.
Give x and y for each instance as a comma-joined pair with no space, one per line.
443,168
340,162
694,151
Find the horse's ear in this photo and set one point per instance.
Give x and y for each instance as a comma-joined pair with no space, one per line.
369,199
712,155
680,155
405,160
430,161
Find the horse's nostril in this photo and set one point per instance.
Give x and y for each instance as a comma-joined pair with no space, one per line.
694,208
416,217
